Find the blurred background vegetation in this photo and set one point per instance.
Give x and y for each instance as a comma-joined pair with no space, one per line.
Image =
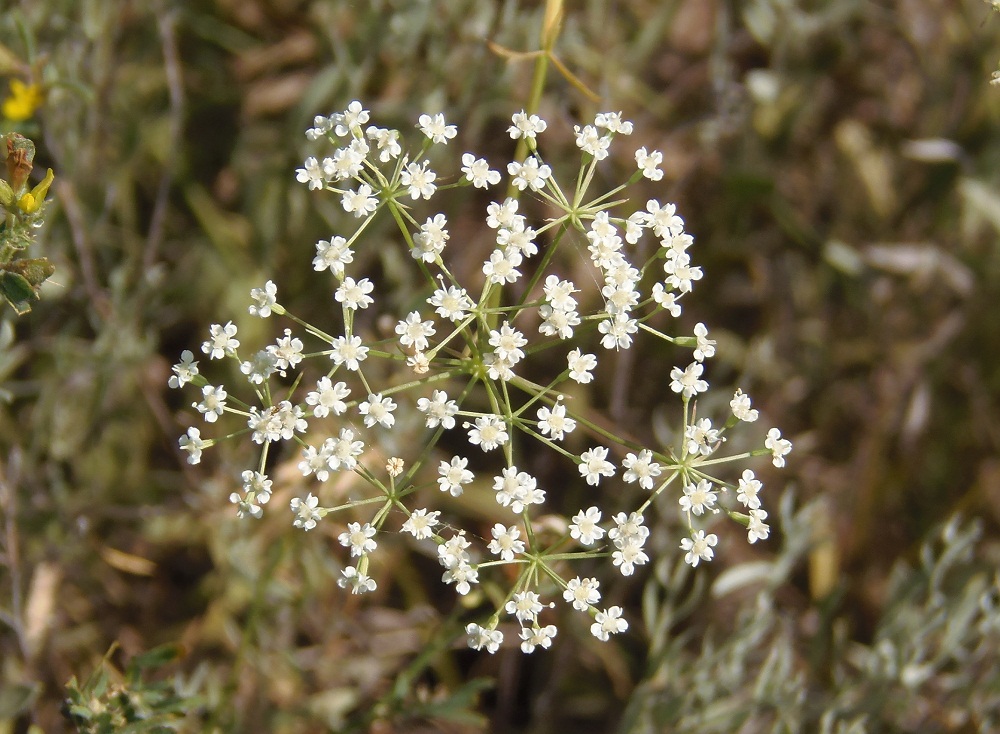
837,163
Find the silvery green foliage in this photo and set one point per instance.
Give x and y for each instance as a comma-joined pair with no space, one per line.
931,665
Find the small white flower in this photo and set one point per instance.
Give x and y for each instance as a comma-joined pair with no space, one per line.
517,490
246,506
463,576
489,432
502,215
529,175
213,402
748,489
620,299
778,447
676,243
360,203
641,469
559,293
387,142
507,343
627,556
556,322
607,623
533,637
348,351
453,552
354,294
506,543
414,332
359,582
378,409
184,371
421,523
193,444
594,465
452,303
519,238
589,140
394,466
699,547
345,451
478,171
663,219
525,606
346,162
698,497
613,123
429,243
287,351
317,461
453,475
277,423
258,485
436,129
358,538
306,511
582,593
264,298
222,341
666,300
757,529
706,347
333,254
328,397
649,163
741,407
618,331
585,528
419,179
419,363
499,369
345,122
502,267
260,367
681,274
580,366
702,439
628,530
526,126
688,381
311,173
440,411
554,422
480,637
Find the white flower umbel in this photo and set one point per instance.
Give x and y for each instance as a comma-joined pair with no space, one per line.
374,404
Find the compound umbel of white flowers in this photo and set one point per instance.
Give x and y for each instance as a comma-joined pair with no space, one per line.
459,363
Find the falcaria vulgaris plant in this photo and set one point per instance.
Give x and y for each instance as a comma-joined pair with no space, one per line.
460,361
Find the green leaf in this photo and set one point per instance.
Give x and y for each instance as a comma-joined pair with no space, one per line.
18,291
34,270
15,699
156,657
459,706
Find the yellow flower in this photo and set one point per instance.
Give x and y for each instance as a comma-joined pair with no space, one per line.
32,201
22,102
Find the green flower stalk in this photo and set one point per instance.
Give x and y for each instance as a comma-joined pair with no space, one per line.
22,208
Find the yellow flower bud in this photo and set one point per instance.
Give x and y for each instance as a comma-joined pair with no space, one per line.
31,202
27,204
